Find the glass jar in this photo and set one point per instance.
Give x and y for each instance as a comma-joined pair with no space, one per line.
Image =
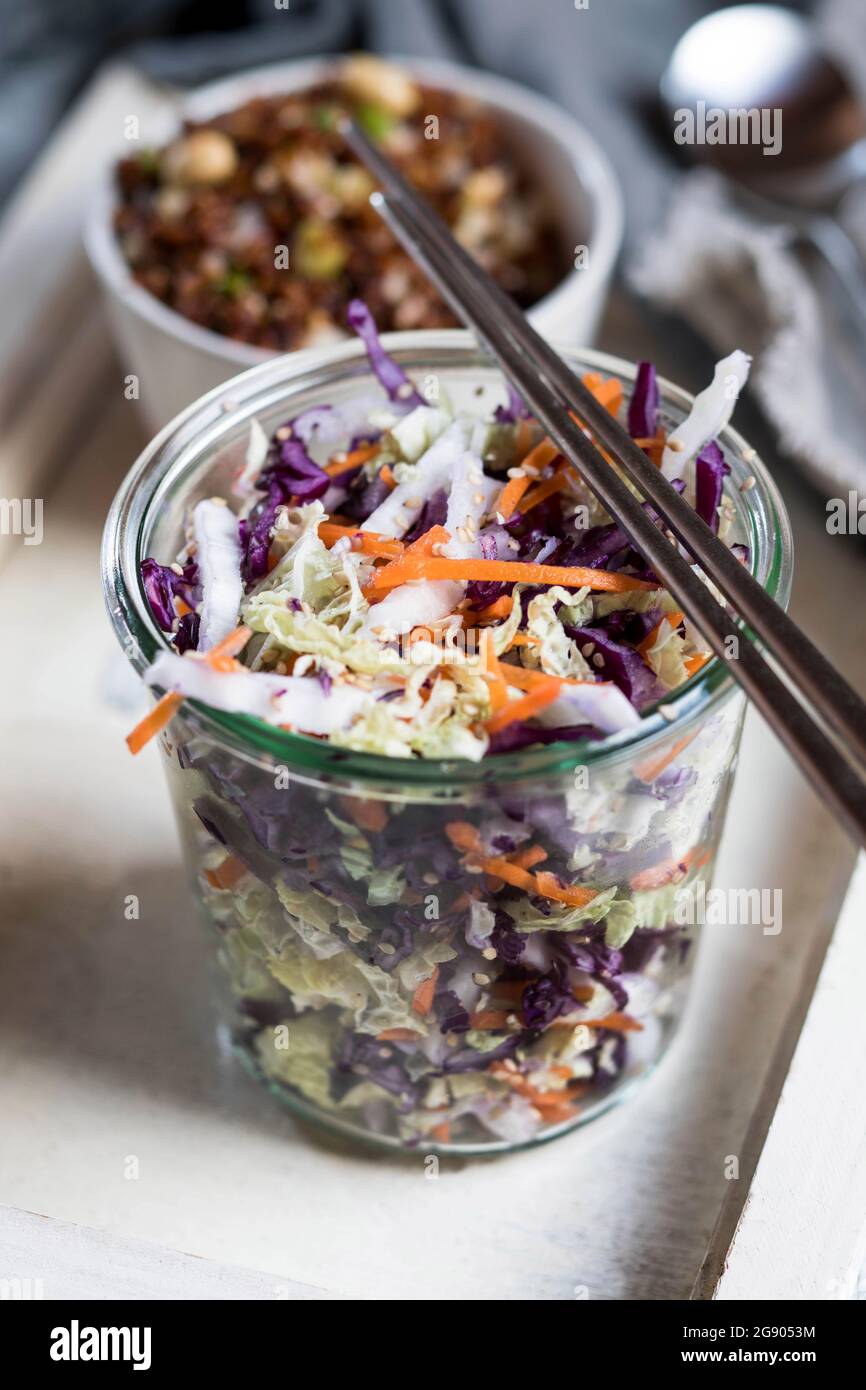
377,979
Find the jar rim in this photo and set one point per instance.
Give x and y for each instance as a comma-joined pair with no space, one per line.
198,431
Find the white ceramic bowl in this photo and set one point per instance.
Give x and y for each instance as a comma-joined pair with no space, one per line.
176,360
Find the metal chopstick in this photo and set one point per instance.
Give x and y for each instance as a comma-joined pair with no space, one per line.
835,778
832,696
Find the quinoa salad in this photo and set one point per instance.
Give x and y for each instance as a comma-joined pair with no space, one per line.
256,224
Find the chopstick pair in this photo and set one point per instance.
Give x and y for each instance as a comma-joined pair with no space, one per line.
556,395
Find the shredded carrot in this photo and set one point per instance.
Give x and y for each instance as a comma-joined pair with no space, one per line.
542,491
410,568
384,547
669,869
697,662
522,676
509,990
526,707
509,873
181,608
524,639
422,999
500,608
575,896
648,642
539,457
511,495
398,1035
529,857
166,708
488,1020
226,874
616,1022
441,1132
153,723
369,815
526,678
608,393
653,767
463,836
553,1104
313,863
345,462
437,535
498,690
654,446
387,477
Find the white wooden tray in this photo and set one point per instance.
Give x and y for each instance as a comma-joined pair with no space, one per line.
111,1065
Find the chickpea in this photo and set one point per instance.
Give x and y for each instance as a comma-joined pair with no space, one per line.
205,156
370,79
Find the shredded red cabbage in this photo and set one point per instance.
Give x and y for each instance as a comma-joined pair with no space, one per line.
710,473
643,408
390,374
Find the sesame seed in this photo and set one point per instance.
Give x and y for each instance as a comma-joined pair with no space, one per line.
667,712
516,473
748,483
489,953
405,389
749,454
587,649
451,1039
384,1052
414,502
429,878
176,567
475,869
676,446
480,978
478,498
283,432
598,659
386,948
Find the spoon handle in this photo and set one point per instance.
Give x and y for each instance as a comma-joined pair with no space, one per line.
841,254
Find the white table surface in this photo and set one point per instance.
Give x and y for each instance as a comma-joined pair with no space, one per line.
109,1048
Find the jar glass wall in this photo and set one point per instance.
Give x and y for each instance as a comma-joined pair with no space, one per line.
377,977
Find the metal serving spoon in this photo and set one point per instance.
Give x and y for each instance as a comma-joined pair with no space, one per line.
765,57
